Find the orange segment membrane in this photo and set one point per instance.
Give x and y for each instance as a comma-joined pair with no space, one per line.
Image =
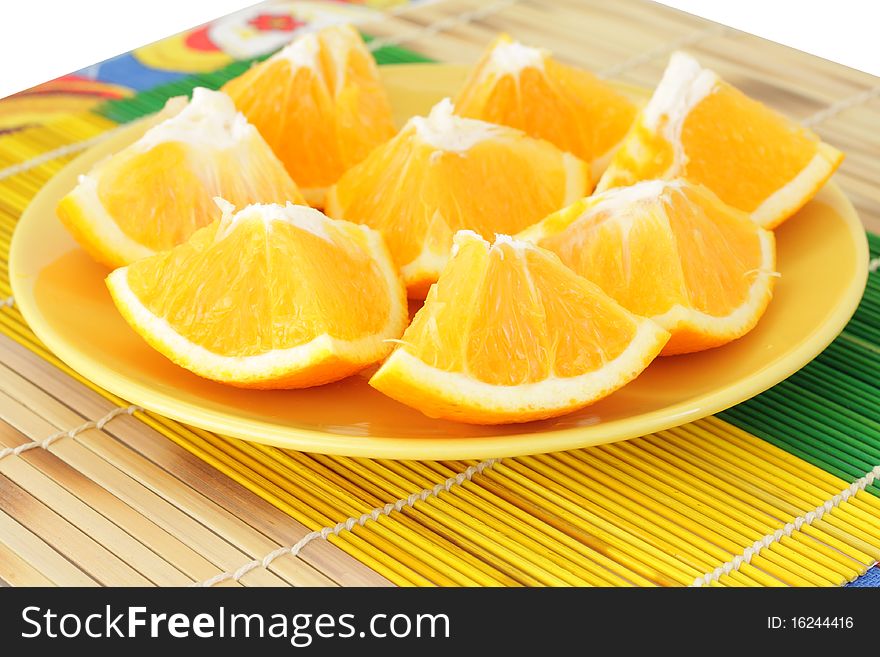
258,289
742,151
418,195
162,196
567,106
508,317
320,118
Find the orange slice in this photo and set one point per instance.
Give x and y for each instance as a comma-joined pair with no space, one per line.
444,173
527,89
269,297
509,334
158,191
699,127
319,104
671,251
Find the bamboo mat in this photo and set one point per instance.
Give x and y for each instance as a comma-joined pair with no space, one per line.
778,491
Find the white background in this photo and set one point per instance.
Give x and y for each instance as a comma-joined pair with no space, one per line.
42,39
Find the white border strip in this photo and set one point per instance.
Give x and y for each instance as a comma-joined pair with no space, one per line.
70,433
808,518
348,524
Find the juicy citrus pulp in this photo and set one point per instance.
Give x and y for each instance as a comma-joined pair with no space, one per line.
671,251
509,334
526,88
158,191
271,296
698,127
443,173
319,104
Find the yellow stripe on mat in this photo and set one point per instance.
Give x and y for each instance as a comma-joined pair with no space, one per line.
664,509
47,145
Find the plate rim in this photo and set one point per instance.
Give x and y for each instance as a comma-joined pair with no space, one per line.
436,448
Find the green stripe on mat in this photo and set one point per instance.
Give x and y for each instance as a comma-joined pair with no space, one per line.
152,100
827,413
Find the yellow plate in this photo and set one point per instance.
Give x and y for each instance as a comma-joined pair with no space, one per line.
822,254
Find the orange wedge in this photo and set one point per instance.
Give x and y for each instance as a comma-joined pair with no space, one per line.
670,251
444,173
158,191
319,104
269,297
699,127
509,334
527,89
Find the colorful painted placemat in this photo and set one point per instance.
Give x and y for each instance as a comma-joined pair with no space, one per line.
779,491
243,35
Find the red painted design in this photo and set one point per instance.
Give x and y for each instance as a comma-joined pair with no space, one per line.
275,23
199,39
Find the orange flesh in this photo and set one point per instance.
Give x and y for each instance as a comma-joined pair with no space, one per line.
735,146
509,317
746,156
687,249
162,196
419,197
654,160
254,291
718,248
568,107
317,123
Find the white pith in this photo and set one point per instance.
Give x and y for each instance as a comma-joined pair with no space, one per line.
685,83
209,120
616,199
516,244
301,53
512,57
445,131
301,216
